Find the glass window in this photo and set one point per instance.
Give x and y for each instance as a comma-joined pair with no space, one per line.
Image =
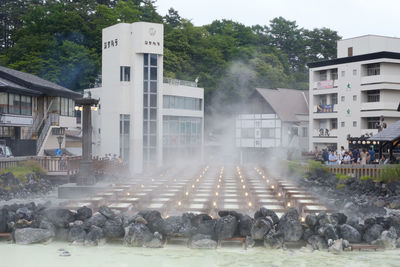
125,73
334,124
145,113
334,99
153,87
64,106
3,102
372,122
342,98
153,114
342,124
15,104
354,123
354,97
153,74
323,76
153,60
145,74
354,72
343,73
145,87
373,96
145,100
146,59
334,74
166,101
26,105
373,69
71,107
153,101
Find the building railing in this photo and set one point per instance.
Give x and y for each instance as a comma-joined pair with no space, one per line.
180,82
373,170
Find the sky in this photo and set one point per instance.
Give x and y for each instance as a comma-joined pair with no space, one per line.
349,18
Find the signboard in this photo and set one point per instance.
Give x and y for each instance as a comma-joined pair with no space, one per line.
16,120
325,108
58,152
325,84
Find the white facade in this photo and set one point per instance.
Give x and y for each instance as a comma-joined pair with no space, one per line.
129,119
349,94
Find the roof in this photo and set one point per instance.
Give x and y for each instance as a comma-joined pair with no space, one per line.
343,60
287,103
391,133
17,80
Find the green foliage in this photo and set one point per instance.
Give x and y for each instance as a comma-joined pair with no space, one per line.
339,186
294,167
314,166
24,168
390,173
342,177
366,177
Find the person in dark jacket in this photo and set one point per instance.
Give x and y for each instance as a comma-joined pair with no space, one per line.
325,156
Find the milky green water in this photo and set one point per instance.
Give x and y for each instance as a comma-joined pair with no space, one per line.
173,255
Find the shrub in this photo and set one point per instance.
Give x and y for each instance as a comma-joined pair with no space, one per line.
340,186
32,165
317,166
24,168
366,177
390,173
294,167
342,177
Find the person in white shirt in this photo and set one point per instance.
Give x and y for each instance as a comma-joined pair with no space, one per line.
346,158
333,159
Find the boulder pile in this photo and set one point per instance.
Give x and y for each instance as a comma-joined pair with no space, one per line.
30,223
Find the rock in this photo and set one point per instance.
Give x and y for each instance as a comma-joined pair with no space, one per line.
260,228
307,233
245,224
353,221
226,227
154,221
398,243
94,235
311,220
328,231
3,220
264,212
204,244
250,242
27,236
290,226
349,233
395,204
176,226
206,227
197,237
317,242
107,212
62,234
24,213
273,240
83,213
97,219
113,228
223,213
341,218
137,235
323,218
373,232
380,203
59,217
77,234
389,238
44,224
155,242
336,247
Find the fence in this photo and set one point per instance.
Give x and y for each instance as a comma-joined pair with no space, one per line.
372,170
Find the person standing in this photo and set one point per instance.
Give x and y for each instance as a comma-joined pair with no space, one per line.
346,158
371,153
325,156
341,154
333,159
316,153
363,156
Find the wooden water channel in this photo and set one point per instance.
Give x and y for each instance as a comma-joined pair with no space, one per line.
206,189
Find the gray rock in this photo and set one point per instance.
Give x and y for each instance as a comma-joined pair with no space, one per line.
273,240
83,213
94,235
328,231
137,235
373,233
155,242
264,212
59,217
44,224
260,228
197,237
349,233
336,247
113,228
154,221
206,227
250,242
226,227
27,236
290,226
77,234
176,226
317,242
24,213
245,224
62,234
395,204
380,203
311,220
339,217
97,219
204,244
389,238
107,212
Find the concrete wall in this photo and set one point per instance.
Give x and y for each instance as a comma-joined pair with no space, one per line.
368,44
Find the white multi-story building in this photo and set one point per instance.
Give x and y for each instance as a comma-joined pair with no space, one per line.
348,95
143,118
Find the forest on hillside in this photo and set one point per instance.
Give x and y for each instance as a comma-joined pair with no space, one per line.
60,40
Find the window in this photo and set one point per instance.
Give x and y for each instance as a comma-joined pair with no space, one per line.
350,51
14,104
3,103
334,99
180,102
354,72
333,124
373,96
343,73
125,74
267,132
354,97
323,100
354,123
64,106
342,124
247,133
373,69
323,75
26,105
372,122
304,132
124,124
342,98
334,74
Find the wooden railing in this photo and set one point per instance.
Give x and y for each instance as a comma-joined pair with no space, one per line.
373,170
11,162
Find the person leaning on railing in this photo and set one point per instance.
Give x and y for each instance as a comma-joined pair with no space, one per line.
346,158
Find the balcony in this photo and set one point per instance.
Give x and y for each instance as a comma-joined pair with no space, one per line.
380,79
369,132
327,84
325,133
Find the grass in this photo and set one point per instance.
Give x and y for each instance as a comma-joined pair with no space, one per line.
342,177
314,166
340,186
294,167
390,173
24,168
366,178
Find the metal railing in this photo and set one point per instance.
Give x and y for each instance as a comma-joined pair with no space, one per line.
52,119
180,82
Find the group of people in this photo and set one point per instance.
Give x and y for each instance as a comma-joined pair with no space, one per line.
356,156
